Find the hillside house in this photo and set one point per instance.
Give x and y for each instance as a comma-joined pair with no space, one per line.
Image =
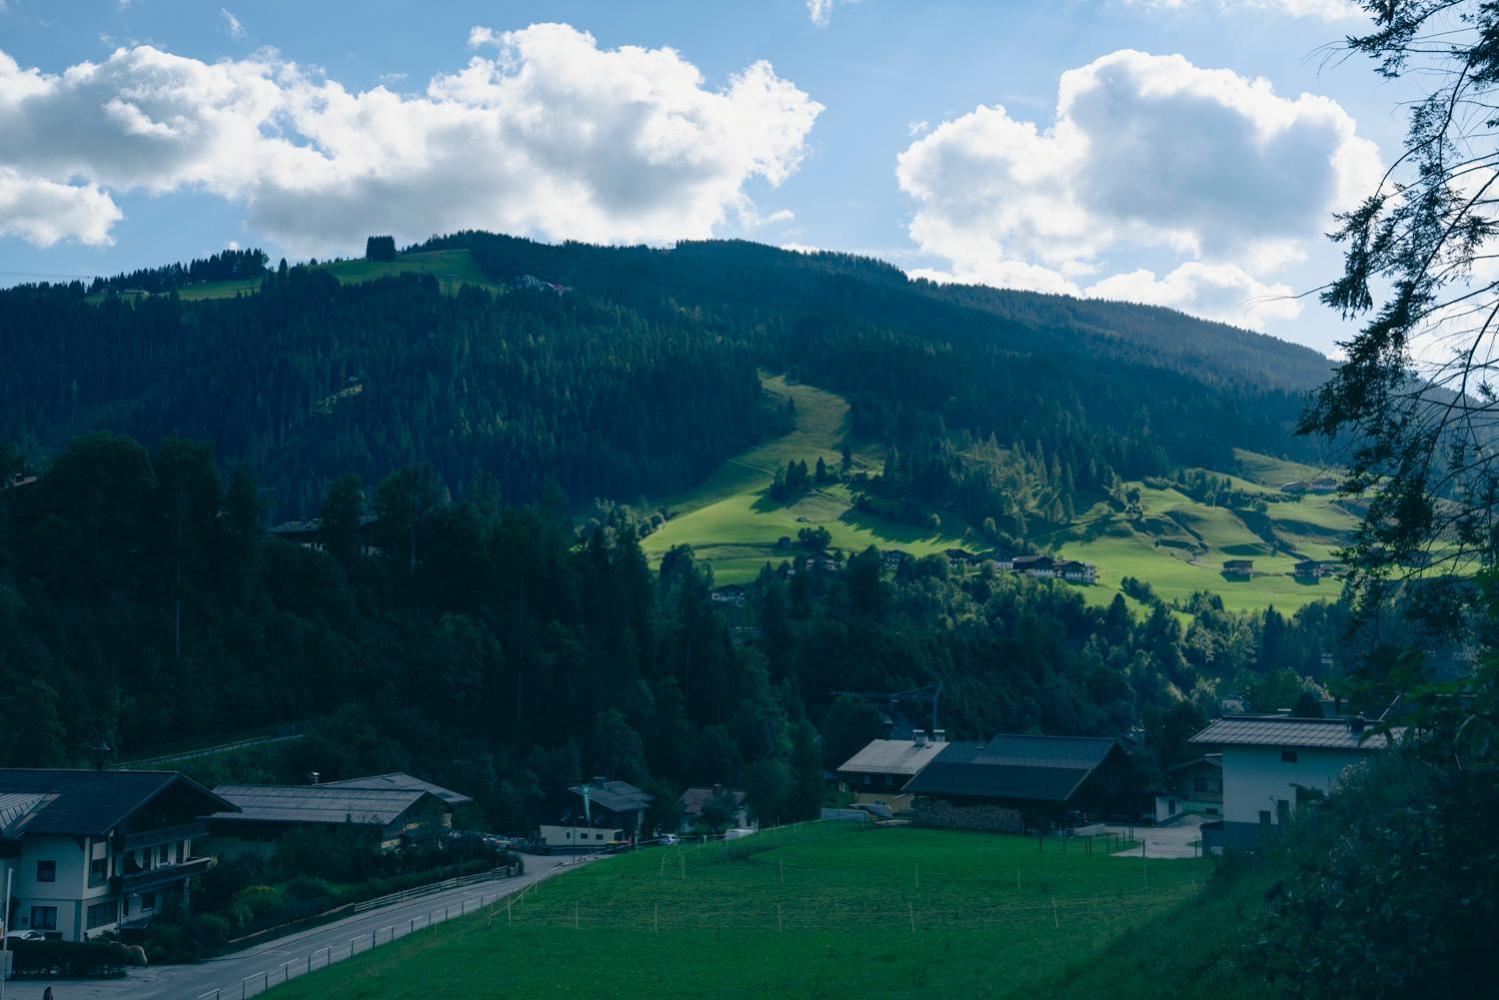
1272,764
1041,567
96,851
406,782
390,816
1077,572
1043,778
600,813
693,800
878,773
1194,788
732,595
1317,485
1308,571
309,533
1243,568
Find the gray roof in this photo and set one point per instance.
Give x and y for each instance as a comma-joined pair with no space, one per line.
616,796
16,806
1285,731
90,803
319,803
1011,766
400,779
891,757
694,799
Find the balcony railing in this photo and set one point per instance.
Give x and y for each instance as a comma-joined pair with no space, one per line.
142,839
156,878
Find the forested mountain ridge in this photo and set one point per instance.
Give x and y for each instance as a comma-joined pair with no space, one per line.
642,375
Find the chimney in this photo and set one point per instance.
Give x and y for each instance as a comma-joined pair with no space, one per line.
918,736
313,777
939,735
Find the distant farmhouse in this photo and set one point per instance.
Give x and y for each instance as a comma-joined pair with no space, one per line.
878,774
693,800
1049,567
1272,763
732,595
1041,567
309,533
94,851
1034,779
600,813
1320,485
388,816
1242,568
1192,789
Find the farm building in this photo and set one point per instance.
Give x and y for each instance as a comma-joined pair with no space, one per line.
601,812
92,851
1238,567
878,773
390,816
1077,572
732,595
1041,778
1043,567
402,780
309,533
693,801
1192,789
1273,763
1308,569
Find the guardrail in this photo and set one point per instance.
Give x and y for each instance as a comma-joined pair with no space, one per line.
457,882
321,958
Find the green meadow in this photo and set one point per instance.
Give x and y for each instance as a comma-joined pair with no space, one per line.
818,910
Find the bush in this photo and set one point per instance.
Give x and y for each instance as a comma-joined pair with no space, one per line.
215,928
264,902
70,959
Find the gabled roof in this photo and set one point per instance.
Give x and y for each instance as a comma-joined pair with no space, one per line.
1011,766
1208,759
318,804
91,803
694,799
616,796
402,780
891,757
1286,731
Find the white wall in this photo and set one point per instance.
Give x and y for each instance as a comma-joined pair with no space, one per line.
1254,778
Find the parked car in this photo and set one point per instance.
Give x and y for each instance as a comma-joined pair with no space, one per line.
668,840
25,936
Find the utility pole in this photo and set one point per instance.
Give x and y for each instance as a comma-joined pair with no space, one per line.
4,932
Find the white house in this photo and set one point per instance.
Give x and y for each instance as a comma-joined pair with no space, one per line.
1271,763
91,851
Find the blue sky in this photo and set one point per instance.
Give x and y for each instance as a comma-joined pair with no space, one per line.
1187,169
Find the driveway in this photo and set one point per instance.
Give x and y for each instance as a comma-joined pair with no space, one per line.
251,971
1174,841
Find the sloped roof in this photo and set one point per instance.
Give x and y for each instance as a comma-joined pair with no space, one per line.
91,802
616,796
891,757
1286,731
694,799
318,803
1210,759
1012,766
15,807
400,779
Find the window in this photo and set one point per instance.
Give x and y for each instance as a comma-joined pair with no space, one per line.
44,918
148,901
46,871
1288,756
166,854
98,871
598,836
103,913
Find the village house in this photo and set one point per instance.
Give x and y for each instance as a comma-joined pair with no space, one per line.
732,595
1044,779
600,814
1194,788
1272,764
1238,567
1308,570
1077,572
1041,567
390,816
693,800
878,773
309,533
95,851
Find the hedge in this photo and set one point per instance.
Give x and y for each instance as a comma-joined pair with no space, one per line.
69,959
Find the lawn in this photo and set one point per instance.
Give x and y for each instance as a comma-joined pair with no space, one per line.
731,522
821,910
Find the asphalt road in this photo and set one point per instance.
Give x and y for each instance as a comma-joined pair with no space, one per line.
251,972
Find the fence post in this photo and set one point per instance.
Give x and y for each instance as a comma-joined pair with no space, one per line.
912,908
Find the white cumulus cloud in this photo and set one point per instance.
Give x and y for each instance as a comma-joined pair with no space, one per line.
549,136
44,212
232,25
1145,154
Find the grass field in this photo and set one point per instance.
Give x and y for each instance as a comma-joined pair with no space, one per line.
731,522
821,910
452,268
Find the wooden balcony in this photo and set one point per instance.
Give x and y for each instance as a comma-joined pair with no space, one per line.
142,839
159,878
